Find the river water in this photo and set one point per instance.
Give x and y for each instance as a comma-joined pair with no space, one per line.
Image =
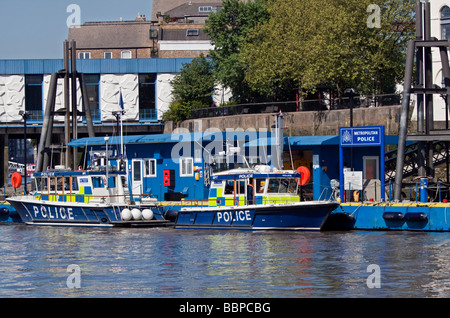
165,262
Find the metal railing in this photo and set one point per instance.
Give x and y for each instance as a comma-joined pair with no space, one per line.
294,106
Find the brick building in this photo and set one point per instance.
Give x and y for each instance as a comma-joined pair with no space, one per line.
114,40
175,31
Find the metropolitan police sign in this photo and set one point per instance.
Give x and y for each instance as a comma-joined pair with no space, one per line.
370,136
361,136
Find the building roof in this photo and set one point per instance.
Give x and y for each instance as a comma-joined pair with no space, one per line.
190,9
162,6
110,35
192,34
167,138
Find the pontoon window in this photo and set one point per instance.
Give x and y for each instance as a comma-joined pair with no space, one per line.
186,167
150,167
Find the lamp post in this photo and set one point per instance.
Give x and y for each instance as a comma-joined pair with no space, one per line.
25,115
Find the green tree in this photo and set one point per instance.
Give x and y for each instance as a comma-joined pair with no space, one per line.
193,88
313,42
228,29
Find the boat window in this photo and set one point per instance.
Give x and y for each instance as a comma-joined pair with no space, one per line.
66,184
74,184
273,186
59,183
111,182
284,185
97,182
229,187
52,184
124,181
293,184
260,184
40,183
44,184
240,185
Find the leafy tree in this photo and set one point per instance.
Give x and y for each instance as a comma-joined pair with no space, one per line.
192,88
313,42
228,29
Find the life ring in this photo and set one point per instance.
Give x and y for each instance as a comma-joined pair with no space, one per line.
305,175
16,180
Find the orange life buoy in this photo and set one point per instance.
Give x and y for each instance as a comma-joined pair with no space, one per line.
16,180
305,175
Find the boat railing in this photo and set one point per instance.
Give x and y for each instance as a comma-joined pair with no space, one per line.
327,194
90,198
227,202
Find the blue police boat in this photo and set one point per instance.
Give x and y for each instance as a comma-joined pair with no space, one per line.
259,198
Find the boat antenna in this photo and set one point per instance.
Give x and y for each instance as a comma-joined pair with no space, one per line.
85,155
279,140
122,112
290,153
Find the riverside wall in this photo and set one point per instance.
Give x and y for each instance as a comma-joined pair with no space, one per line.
304,123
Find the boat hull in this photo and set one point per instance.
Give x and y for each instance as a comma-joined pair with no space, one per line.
301,216
37,212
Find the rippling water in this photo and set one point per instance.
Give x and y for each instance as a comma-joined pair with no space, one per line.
185,263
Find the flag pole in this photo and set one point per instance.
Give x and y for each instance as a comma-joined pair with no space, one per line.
121,122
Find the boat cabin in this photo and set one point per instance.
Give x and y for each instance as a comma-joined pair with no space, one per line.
257,186
88,186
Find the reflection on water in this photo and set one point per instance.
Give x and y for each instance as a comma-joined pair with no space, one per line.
187,263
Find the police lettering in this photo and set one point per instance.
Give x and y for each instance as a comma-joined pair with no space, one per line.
53,213
365,139
238,216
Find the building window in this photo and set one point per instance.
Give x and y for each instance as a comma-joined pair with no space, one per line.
192,32
204,9
125,54
147,97
186,167
150,168
33,96
84,55
107,55
445,23
92,82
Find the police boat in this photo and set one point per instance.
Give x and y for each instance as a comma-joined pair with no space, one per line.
258,198
97,196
